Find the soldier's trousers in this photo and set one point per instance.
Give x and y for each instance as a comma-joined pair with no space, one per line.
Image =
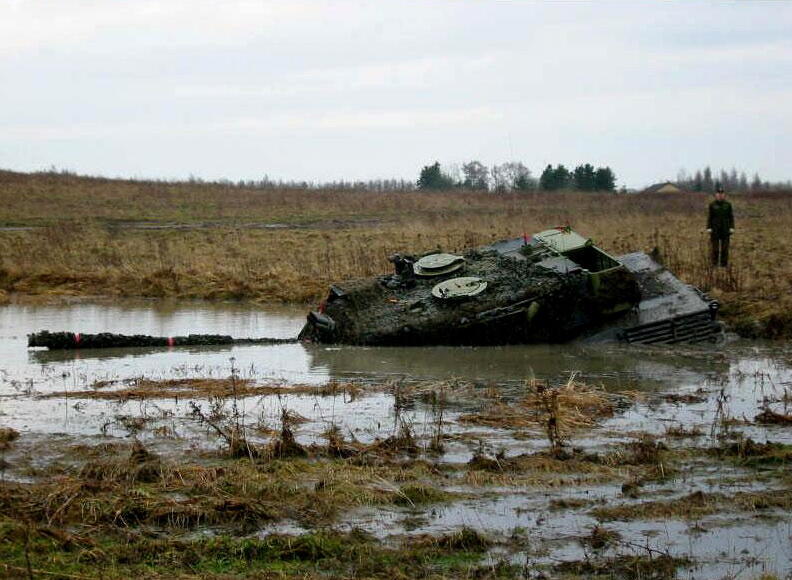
720,251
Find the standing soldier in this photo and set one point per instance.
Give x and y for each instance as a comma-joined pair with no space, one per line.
720,226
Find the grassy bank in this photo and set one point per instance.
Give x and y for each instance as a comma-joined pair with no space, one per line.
215,241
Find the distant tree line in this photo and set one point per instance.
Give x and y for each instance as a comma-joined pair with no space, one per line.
375,185
266,182
514,176
707,180
582,178
475,176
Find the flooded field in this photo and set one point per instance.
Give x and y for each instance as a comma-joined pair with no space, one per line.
520,461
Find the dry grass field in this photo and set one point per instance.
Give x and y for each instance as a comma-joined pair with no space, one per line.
73,236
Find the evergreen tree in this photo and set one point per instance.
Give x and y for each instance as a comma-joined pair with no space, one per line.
706,183
583,177
743,185
546,182
562,177
553,179
604,179
734,179
698,182
723,180
432,177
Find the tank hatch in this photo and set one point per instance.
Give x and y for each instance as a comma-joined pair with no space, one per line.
438,264
464,287
562,240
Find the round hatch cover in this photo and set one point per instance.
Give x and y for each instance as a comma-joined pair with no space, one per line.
459,287
437,264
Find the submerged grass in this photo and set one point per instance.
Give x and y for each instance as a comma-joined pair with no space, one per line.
576,405
641,567
745,451
142,388
697,505
546,470
313,555
129,486
118,510
81,248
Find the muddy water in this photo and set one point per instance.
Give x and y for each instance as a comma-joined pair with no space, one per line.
731,381
298,363
25,374
746,373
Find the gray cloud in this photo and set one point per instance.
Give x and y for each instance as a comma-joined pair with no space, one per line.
327,90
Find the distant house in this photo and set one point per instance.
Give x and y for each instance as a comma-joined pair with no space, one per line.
665,187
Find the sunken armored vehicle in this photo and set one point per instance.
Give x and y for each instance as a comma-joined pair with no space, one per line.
552,287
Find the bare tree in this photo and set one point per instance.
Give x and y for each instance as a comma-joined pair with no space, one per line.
499,179
476,175
512,176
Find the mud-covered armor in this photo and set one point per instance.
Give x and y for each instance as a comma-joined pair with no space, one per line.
552,287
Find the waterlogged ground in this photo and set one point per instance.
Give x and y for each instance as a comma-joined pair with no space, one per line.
524,461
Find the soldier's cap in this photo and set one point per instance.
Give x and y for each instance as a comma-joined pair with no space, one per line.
720,190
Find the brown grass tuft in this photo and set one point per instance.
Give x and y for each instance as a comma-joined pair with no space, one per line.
574,405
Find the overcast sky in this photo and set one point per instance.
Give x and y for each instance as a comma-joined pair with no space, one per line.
329,90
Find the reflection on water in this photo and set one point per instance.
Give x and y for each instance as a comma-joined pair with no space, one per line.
612,365
619,367
46,371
